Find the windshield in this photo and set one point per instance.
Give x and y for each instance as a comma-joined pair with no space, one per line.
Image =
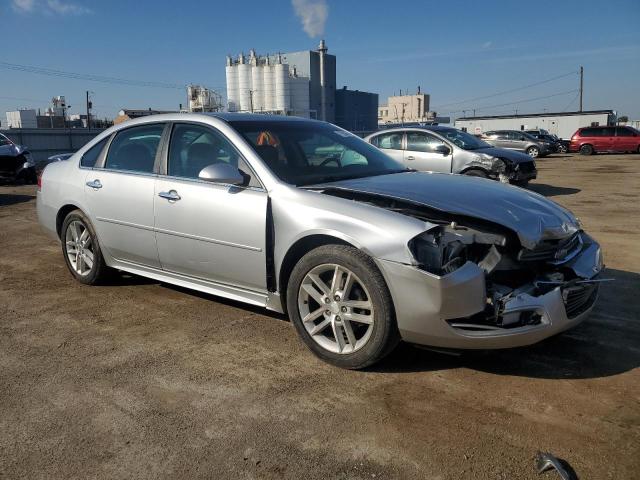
306,153
464,140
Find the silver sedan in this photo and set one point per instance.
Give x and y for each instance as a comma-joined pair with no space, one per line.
302,217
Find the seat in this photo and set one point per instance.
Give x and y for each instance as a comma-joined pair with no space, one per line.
199,155
269,155
134,157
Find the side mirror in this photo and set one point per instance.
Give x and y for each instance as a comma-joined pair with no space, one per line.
443,149
221,173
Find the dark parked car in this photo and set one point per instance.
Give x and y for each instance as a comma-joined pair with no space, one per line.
559,145
518,140
16,162
591,140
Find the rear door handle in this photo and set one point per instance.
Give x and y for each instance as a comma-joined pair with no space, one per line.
411,158
95,184
171,195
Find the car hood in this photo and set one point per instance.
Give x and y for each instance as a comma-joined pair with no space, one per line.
12,150
511,155
531,216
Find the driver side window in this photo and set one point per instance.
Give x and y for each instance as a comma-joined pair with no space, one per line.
422,142
194,147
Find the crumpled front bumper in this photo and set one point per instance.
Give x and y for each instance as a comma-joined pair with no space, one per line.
424,302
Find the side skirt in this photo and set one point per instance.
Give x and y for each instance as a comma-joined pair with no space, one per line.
252,297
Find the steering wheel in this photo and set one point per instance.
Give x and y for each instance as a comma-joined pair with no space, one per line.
332,158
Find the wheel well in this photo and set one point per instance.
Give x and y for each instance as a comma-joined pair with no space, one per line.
296,252
62,214
479,169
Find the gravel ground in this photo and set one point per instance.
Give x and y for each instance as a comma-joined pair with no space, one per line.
138,379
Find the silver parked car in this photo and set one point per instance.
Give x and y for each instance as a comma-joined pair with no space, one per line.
518,140
449,150
302,217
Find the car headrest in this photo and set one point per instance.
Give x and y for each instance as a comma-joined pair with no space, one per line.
268,153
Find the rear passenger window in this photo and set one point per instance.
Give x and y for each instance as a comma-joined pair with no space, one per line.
90,157
134,149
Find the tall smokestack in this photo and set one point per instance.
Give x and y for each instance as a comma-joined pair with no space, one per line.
322,50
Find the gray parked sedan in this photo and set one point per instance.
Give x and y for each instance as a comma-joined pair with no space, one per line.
449,150
303,217
518,140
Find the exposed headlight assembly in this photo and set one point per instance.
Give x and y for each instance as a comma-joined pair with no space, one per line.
446,248
492,163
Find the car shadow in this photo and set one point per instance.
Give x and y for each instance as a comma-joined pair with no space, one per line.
605,344
7,199
551,190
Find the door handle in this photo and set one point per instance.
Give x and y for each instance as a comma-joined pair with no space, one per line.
411,157
171,195
95,184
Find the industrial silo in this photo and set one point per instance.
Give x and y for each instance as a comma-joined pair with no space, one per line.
244,85
232,86
282,88
257,84
269,87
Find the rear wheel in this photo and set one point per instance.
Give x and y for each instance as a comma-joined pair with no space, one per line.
81,249
586,150
341,307
533,151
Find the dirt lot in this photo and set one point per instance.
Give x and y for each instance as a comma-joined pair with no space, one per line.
143,380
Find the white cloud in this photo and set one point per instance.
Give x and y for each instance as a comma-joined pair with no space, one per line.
56,7
23,5
67,8
313,15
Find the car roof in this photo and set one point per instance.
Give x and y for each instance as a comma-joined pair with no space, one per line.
431,128
232,117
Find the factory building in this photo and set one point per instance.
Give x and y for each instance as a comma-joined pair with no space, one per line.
356,111
297,83
402,109
24,118
563,124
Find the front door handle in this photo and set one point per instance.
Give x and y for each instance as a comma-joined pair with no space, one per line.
171,195
95,184
411,157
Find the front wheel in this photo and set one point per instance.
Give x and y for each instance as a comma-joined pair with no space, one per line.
474,172
533,152
341,307
81,249
562,148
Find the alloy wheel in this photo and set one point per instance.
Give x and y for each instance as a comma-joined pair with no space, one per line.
533,152
79,247
336,308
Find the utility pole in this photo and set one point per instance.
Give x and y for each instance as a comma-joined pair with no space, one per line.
89,105
581,85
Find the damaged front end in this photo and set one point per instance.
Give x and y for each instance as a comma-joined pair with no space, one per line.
503,169
524,288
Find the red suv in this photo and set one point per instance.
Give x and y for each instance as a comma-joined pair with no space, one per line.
589,140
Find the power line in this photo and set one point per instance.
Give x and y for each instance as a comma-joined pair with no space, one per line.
89,77
526,100
508,91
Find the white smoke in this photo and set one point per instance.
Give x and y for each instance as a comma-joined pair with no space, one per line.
313,14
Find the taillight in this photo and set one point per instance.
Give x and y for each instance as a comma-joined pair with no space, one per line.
40,181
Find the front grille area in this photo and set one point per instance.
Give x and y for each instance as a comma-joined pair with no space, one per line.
553,251
579,298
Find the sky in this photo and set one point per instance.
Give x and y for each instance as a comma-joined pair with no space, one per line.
492,56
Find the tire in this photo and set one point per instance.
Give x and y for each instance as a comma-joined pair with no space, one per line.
533,152
369,341
586,150
521,183
73,228
475,172
562,148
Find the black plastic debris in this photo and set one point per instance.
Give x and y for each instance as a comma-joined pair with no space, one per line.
547,461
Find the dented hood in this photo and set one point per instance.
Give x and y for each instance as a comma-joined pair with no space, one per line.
530,215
